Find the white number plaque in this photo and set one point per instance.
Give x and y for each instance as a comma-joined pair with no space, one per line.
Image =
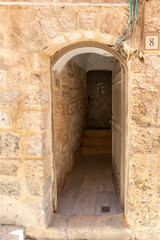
151,42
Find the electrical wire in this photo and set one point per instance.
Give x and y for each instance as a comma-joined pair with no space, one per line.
132,17
120,40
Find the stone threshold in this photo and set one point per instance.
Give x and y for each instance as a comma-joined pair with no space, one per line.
91,227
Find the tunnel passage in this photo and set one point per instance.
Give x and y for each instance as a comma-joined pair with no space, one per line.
86,91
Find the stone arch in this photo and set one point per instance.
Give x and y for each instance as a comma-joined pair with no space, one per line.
124,70
80,44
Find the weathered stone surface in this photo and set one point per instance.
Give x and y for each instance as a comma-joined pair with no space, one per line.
142,182
38,78
10,145
2,77
87,20
68,21
9,167
147,235
137,65
11,233
152,62
25,33
51,27
48,184
5,119
22,213
70,87
2,42
10,189
35,34
10,98
143,173
33,121
108,26
144,146
16,77
98,227
48,177
34,177
36,97
145,140
59,40
58,229
40,62
152,23
35,145
145,108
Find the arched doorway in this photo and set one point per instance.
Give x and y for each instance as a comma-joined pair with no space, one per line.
119,111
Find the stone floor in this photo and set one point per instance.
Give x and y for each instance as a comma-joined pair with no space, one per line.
79,215
89,189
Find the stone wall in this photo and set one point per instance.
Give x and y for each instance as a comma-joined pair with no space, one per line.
144,134
69,117
144,150
25,181
29,36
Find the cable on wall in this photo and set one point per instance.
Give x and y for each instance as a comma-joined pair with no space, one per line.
133,15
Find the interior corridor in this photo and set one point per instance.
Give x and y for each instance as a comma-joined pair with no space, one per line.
90,189
87,122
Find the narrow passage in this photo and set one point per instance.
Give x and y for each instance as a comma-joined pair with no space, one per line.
90,189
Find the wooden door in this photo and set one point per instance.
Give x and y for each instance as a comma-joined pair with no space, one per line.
99,111
118,118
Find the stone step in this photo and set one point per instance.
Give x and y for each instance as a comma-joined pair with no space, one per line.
88,141
106,227
96,151
97,133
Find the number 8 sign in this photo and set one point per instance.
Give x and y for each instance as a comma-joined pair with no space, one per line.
151,42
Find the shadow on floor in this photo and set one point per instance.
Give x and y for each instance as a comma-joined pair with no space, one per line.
90,189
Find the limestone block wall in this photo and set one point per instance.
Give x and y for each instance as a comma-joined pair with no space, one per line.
25,155
144,150
144,147
29,36
69,118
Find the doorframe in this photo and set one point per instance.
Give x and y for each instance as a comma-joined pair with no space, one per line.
124,135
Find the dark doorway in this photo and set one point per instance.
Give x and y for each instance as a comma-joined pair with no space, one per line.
99,92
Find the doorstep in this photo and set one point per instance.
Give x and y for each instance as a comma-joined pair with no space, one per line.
91,227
